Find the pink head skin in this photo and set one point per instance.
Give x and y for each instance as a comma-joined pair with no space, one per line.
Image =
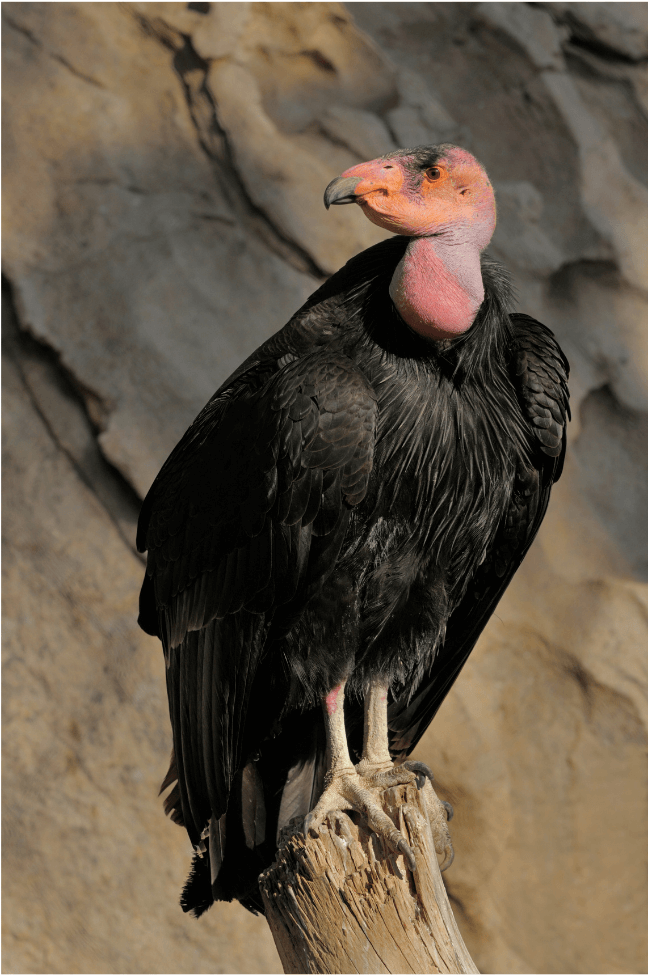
440,196
433,190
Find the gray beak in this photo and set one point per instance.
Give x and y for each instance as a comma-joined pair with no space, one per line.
341,190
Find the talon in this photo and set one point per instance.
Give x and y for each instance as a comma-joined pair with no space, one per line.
341,824
422,771
407,852
448,860
449,809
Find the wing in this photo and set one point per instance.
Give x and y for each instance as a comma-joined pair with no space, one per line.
243,524
539,371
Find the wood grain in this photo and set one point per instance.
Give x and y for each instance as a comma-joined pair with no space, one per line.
342,902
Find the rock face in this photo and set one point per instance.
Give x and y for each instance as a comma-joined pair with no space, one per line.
164,170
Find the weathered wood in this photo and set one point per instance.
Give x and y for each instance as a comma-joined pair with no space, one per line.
342,902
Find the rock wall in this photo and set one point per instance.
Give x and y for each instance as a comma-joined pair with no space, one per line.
163,172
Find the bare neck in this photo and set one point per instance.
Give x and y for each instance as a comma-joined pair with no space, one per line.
437,287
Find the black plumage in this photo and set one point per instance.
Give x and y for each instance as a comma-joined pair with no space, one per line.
353,501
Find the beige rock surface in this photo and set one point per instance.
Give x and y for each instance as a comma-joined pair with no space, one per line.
620,28
163,176
123,226
91,868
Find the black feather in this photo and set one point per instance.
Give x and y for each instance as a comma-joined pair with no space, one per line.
353,501
197,892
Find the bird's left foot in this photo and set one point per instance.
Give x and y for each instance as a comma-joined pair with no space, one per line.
360,789
439,811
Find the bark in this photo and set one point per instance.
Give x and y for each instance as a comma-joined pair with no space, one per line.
342,902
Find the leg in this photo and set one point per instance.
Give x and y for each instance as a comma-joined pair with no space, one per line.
360,788
338,756
376,757
377,769
345,788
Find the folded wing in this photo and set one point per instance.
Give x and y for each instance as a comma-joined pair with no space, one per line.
243,525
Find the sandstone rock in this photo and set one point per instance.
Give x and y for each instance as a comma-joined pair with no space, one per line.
92,871
612,436
285,178
614,201
619,27
613,348
419,119
153,226
220,30
518,239
304,61
531,27
164,171
175,18
362,132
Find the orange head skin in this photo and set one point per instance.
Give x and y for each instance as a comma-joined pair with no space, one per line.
441,197
431,190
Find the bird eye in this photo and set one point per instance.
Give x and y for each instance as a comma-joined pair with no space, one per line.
433,173
388,167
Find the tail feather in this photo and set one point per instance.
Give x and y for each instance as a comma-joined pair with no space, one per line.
301,792
172,774
216,846
172,802
197,892
282,784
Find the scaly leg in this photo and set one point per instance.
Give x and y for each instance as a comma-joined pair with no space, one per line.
360,788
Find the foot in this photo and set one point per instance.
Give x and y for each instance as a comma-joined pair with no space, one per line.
348,789
439,812
360,789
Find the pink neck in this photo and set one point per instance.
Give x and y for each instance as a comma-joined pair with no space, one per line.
437,287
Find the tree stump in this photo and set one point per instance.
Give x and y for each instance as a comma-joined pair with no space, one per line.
343,902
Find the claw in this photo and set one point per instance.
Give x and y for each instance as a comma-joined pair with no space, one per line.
448,860
360,793
340,823
359,789
421,771
440,812
407,853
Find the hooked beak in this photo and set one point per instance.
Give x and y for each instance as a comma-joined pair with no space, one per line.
341,190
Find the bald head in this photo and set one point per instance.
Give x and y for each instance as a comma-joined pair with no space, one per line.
440,191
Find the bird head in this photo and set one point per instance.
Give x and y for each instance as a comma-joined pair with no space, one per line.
440,191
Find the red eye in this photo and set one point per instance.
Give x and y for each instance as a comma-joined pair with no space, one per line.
433,173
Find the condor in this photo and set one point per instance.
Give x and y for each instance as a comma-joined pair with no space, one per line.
331,535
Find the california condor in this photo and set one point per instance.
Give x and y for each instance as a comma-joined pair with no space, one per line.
329,538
